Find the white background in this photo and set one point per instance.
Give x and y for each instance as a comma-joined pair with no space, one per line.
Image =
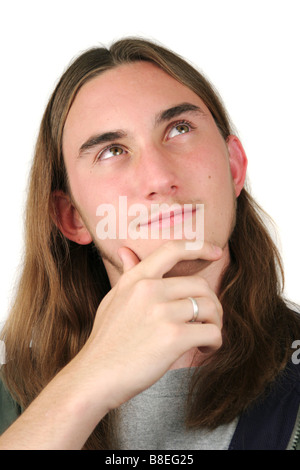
249,49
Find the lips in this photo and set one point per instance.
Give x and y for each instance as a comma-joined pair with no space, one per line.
169,217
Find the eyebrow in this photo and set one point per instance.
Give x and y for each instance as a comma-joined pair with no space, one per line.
161,117
175,111
100,139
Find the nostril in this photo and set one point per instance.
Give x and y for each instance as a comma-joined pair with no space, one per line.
163,191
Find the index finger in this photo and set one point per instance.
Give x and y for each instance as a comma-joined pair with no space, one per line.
170,253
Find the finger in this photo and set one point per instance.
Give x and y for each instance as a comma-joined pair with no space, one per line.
185,286
128,258
205,336
175,288
167,255
209,311
182,311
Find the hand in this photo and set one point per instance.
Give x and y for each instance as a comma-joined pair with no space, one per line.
142,325
140,329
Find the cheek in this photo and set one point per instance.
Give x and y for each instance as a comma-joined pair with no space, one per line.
218,185
101,207
209,168
213,182
89,190
219,211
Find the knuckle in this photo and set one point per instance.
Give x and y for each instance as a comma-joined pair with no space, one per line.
203,287
169,245
203,282
144,287
159,309
124,281
216,337
210,312
220,312
171,333
210,308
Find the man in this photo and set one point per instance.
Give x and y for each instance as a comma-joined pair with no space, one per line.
90,334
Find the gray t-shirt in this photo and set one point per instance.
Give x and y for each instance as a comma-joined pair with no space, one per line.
154,419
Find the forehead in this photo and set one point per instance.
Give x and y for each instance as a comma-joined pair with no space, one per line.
123,96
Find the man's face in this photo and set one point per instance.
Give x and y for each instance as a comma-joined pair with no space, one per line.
153,141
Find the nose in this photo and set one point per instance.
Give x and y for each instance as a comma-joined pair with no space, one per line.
157,174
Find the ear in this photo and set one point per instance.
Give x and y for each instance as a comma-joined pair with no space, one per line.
238,162
68,220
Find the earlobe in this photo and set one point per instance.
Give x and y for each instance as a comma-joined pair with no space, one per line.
68,220
238,162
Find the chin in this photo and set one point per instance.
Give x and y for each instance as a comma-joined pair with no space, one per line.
144,248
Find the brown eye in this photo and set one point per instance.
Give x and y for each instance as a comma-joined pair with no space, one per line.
116,150
112,151
180,128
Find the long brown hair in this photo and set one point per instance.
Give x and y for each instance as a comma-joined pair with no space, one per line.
63,283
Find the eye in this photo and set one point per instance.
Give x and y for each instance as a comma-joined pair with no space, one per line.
179,128
111,151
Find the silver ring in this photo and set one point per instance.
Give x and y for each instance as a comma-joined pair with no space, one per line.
195,309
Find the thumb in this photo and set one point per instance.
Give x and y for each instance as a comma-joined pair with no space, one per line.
128,258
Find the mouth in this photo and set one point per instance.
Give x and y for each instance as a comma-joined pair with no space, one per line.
169,218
